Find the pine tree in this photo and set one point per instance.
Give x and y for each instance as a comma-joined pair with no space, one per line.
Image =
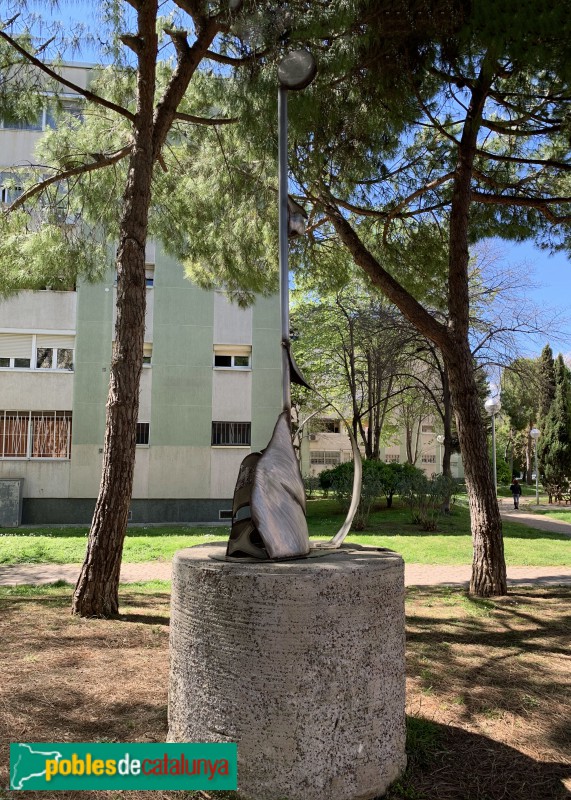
554,445
546,383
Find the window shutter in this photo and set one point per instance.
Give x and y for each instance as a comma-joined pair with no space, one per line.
51,340
233,349
15,345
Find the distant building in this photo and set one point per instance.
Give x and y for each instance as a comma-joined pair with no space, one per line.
326,444
210,388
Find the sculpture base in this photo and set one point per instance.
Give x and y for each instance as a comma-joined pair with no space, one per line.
300,662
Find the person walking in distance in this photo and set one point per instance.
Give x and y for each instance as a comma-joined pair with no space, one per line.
515,489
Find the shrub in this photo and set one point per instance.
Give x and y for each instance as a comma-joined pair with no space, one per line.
371,488
311,485
326,480
427,498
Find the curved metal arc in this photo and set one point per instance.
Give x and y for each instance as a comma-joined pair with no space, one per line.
337,540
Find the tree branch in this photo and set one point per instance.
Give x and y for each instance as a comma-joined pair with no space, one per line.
419,192
547,162
187,64
506,129
134,43
541,204
205,120
180,41
81,169
397,294
91,96
232,60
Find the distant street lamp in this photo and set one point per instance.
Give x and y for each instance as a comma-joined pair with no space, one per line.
440,440
493,406
535,433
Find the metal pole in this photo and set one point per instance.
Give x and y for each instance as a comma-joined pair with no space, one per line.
536,477
283,241
494,453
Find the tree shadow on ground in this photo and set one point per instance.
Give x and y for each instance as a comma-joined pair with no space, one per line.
500,662
450,763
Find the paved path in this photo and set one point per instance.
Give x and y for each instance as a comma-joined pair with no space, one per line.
415,574
536,521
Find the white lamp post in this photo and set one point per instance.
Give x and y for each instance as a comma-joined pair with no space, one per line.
493,406
440,440
535,434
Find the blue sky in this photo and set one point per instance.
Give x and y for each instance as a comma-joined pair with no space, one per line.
551,277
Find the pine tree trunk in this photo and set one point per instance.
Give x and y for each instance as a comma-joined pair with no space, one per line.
96,593
97,589
488,563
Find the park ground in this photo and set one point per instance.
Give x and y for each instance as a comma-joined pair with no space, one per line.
488,685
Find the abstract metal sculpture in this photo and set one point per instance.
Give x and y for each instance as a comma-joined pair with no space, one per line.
268,510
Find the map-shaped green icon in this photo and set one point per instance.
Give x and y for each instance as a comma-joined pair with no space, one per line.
28,765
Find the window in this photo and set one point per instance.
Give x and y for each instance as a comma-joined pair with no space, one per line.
231,362
10,188
64,358
231,434
392,458
38,352
149,276
35,434
54,358
147,354
428,459
427,428
143,429
232,356
330,425
45,117
15,350
31,122
72,106
330,457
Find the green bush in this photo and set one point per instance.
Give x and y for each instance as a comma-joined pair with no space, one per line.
371,488
427,498
326,479
311,485
378,479
503,470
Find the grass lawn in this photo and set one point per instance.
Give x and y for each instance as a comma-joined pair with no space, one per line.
390,528
487,687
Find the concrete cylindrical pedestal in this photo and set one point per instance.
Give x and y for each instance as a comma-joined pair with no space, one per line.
299,662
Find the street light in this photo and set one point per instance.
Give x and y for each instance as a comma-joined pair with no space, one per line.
535,433
295,71
440,440
493,406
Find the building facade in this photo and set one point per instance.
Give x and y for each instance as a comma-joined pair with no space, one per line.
328,445
210,388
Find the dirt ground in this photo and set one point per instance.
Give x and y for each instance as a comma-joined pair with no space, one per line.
488,688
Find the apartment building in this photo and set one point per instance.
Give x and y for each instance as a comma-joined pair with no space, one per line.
326,444
210,388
